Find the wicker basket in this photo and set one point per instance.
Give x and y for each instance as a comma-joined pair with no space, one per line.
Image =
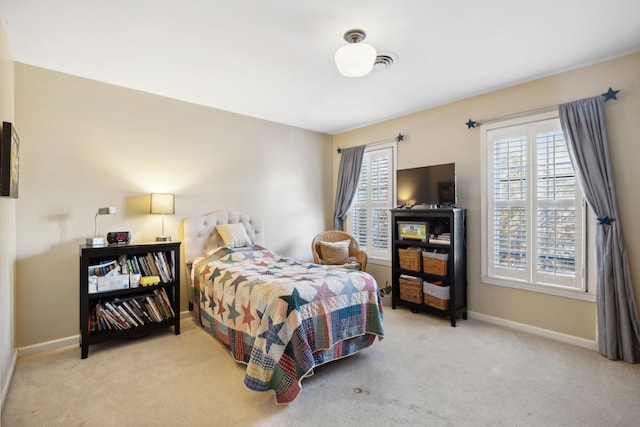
410,259
442,304
436,295
434,263
411,290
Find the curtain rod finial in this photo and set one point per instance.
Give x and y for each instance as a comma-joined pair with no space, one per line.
610,94
339,150
471,124
400,137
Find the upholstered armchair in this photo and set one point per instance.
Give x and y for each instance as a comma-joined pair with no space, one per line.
338,248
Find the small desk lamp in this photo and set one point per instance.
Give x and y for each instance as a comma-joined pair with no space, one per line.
99,240
163,203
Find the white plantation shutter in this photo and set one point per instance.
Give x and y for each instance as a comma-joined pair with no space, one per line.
369,216
534,228
556,196
509,205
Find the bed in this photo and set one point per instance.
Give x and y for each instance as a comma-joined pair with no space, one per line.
279,316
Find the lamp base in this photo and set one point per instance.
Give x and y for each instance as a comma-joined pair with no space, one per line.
95,241
163,239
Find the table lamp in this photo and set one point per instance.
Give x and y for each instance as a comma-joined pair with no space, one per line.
162,203
99,240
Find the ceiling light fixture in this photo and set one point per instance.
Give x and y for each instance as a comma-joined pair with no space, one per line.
355,59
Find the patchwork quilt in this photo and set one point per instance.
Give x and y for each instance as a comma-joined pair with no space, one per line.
283,317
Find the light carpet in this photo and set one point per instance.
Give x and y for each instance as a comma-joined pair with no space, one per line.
423,373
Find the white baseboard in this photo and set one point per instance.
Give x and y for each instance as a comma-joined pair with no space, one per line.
49,345
7,383
64,342
569,339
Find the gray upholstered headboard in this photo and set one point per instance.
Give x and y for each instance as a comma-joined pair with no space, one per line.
200,234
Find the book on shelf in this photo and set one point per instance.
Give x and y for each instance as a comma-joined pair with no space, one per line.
112,320
161,306
439,242
114,315
128,308
159,264
122,320
165,299
104,268
138,304
144,269
153,308
131,312
167,266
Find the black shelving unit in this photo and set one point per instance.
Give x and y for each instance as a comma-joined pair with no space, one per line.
91,256
453,220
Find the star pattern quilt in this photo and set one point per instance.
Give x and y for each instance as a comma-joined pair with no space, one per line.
283,317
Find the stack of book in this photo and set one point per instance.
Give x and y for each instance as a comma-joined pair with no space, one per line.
159,264
127,313
113,274
442,239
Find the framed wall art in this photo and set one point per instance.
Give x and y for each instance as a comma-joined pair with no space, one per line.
9,161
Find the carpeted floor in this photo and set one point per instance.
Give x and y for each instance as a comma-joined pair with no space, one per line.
423,373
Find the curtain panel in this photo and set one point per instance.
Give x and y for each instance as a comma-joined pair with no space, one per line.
348,175
618,327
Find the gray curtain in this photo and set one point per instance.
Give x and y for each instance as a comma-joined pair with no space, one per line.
348,174
618,327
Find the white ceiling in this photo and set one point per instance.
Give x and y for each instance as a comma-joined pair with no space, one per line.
274,59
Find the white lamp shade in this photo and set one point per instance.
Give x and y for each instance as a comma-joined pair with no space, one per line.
162,203
355,59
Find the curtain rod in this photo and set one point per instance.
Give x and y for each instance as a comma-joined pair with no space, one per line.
608,95
398,138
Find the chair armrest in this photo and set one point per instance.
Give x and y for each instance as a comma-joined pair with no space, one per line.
316,256
361,256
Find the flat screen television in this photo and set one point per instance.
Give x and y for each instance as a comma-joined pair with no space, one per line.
433,186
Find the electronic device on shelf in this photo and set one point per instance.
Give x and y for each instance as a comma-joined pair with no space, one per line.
428,187
118,237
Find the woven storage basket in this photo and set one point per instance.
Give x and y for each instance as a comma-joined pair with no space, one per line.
434,263
436,295
411,290
410,259
442,304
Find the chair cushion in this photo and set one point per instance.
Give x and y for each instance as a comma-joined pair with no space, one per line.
334,253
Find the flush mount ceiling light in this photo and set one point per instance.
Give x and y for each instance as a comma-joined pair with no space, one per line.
355,59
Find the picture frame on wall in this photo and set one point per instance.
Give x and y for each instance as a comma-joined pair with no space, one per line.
9,161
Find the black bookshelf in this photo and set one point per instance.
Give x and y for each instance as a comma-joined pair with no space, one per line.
169,285
453,220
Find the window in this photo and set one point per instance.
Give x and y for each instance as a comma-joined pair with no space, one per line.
533,212
369,218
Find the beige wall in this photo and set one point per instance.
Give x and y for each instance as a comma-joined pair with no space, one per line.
87,145
7,230
439,135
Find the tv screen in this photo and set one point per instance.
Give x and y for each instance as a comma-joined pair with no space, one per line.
428,185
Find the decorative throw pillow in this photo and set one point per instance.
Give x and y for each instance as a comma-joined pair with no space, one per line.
234,235
334,253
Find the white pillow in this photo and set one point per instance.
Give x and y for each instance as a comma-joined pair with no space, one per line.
234,235
334,253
